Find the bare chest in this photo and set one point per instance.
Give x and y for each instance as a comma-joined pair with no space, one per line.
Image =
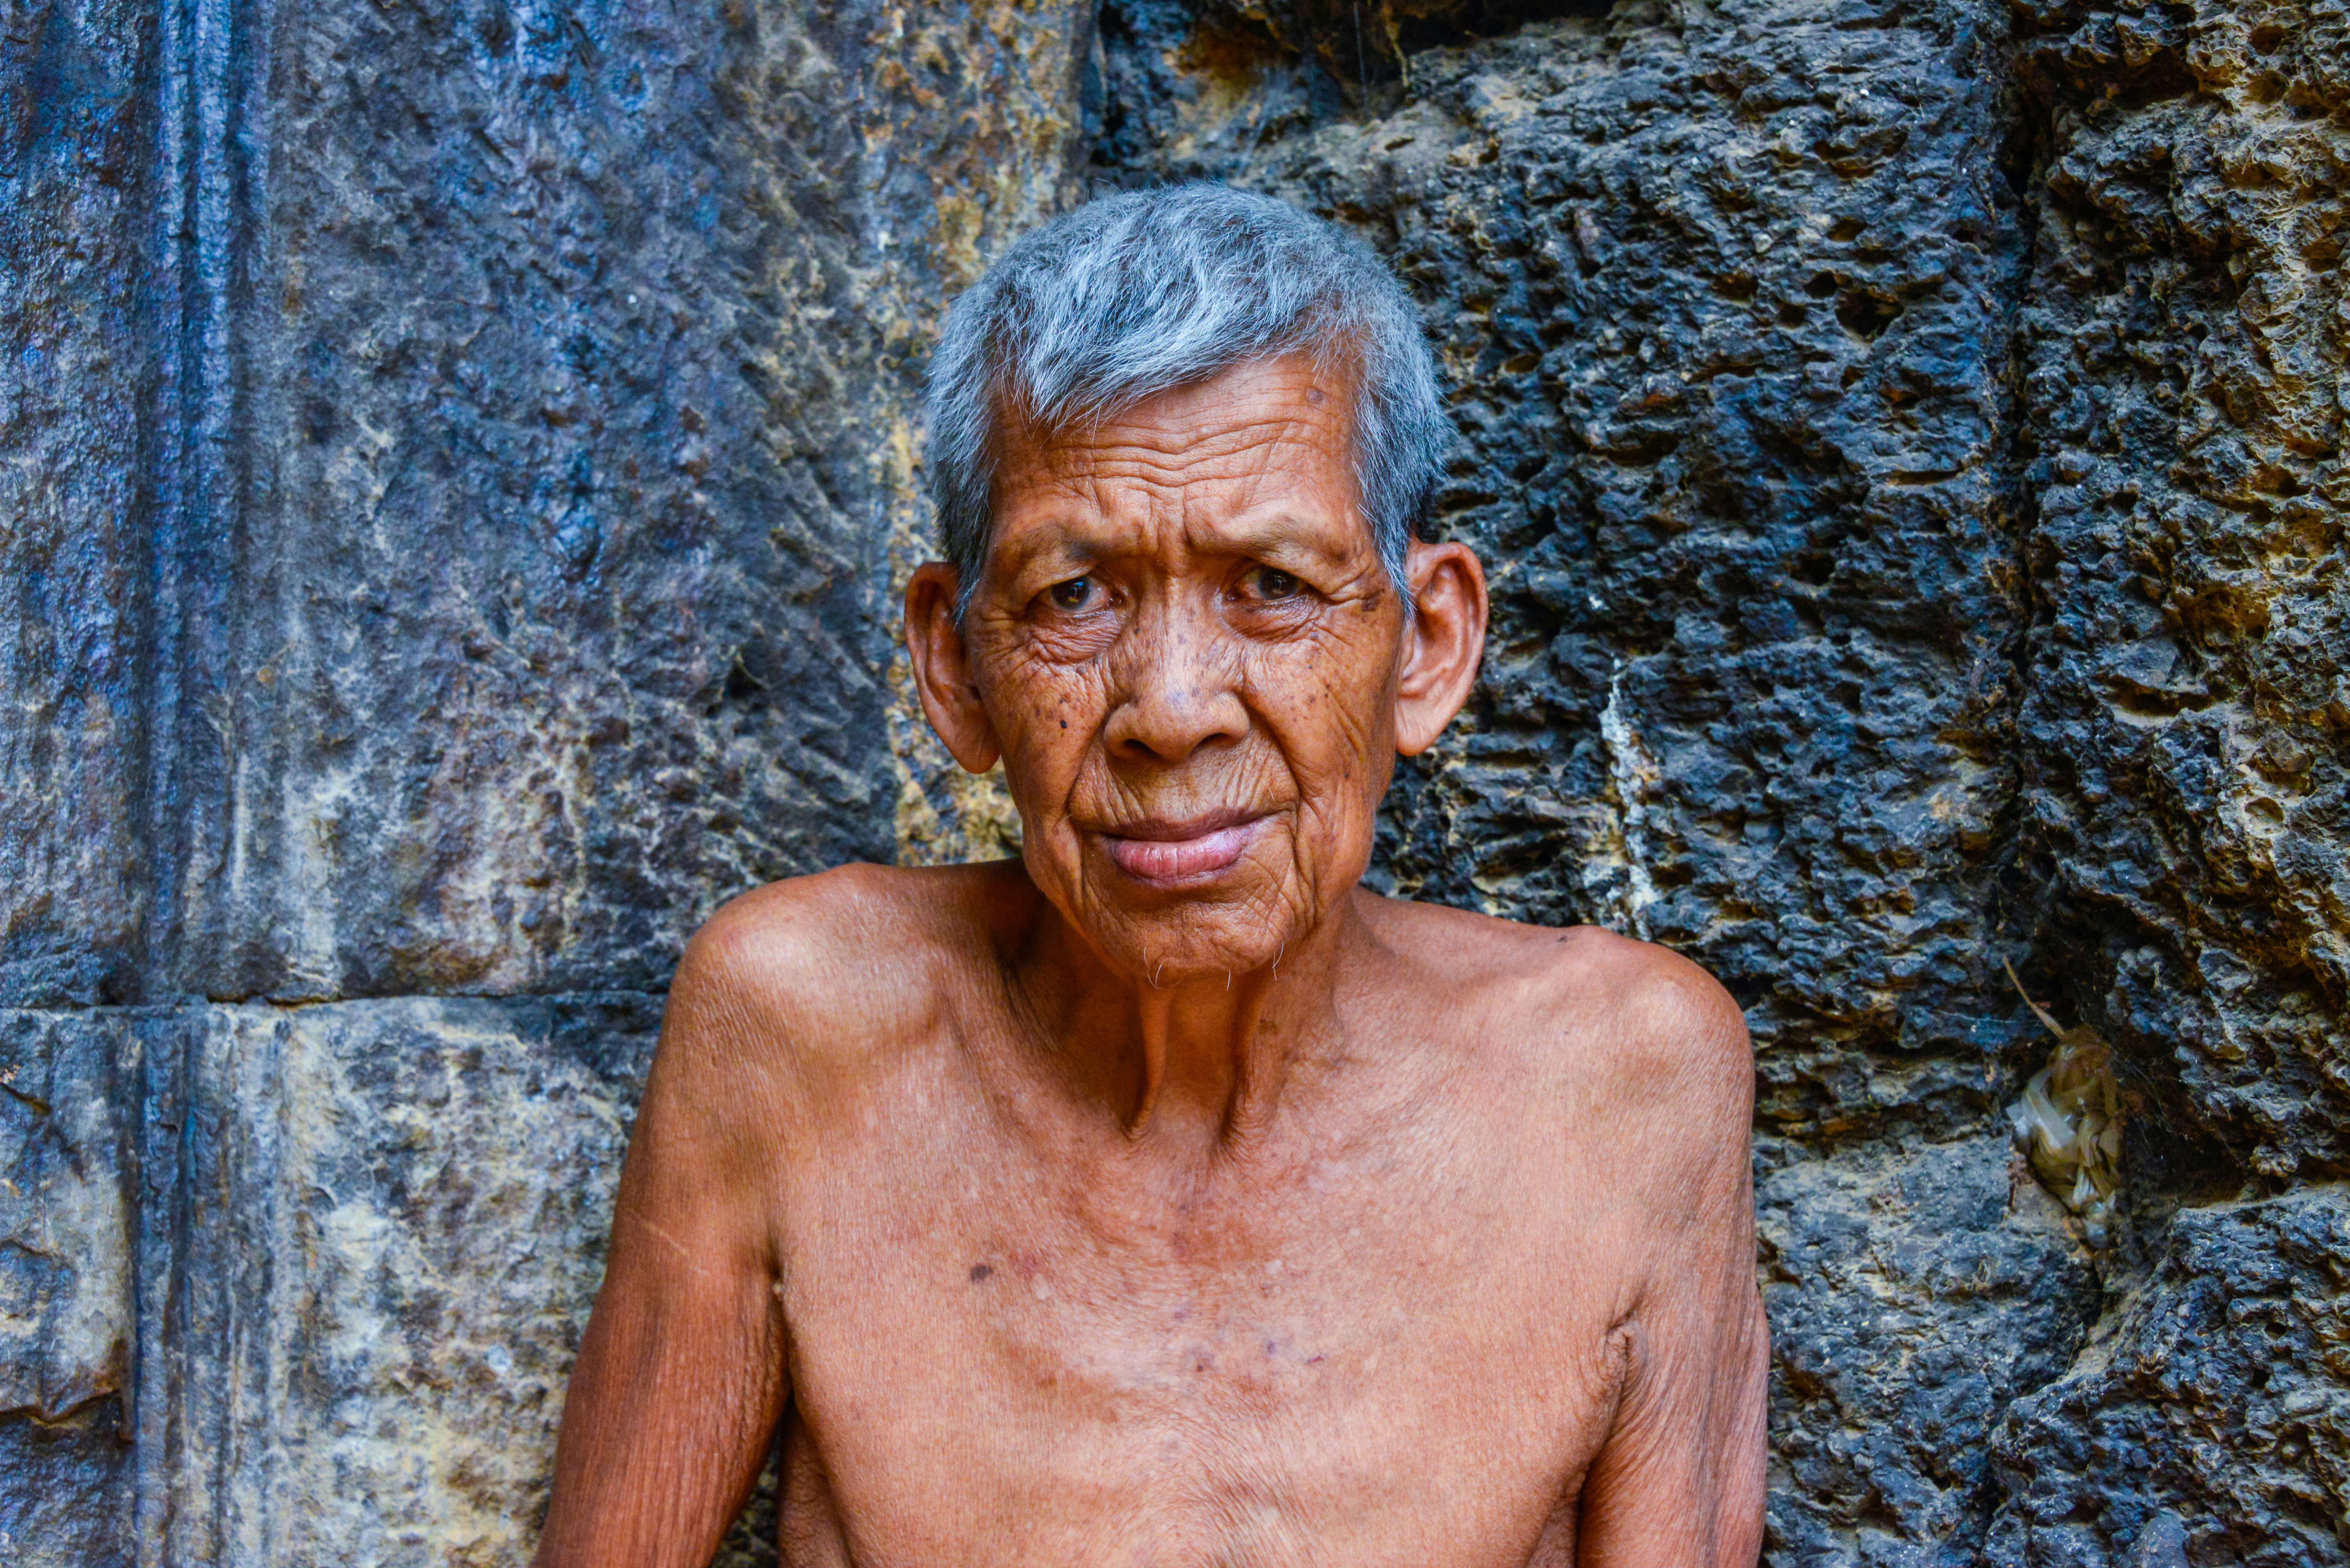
1394,1353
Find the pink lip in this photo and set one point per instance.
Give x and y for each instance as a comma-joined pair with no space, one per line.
1159,851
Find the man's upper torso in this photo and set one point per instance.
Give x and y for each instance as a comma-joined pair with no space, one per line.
1394,1323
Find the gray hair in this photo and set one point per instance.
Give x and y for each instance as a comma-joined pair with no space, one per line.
1137,294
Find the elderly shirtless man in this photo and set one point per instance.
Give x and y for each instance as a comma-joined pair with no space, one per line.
1163,1197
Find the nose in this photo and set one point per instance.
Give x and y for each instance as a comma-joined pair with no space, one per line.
1179,685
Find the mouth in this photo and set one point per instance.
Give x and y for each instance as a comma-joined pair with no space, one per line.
1168,852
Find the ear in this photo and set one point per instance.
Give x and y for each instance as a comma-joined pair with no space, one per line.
943,668
1443,642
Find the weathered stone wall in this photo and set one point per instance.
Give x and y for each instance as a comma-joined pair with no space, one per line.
457,458
461,457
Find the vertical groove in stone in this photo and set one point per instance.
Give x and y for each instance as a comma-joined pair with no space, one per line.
197,246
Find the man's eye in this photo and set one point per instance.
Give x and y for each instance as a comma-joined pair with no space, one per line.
1272,583
1071,595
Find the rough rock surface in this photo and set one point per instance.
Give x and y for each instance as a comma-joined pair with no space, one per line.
65,1249
379,1328
76,336
1912,1298
2184,351
460,463
2220,1395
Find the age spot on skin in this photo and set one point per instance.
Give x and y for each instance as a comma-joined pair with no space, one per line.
979,1272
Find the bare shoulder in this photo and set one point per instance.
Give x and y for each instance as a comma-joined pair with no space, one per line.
1633,1032
815,941
814,974
1672,1038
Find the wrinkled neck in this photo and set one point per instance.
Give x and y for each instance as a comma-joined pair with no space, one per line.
1204,1058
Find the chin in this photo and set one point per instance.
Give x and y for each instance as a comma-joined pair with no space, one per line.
1203,936
1206,956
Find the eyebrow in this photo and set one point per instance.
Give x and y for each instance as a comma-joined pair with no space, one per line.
1281,529
1082,545
1062,543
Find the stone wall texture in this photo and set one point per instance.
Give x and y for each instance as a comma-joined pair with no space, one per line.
457,461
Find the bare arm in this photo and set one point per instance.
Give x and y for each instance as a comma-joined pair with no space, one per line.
680,1378
1680,1482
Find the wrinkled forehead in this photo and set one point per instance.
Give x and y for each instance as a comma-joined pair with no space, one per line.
1265,449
